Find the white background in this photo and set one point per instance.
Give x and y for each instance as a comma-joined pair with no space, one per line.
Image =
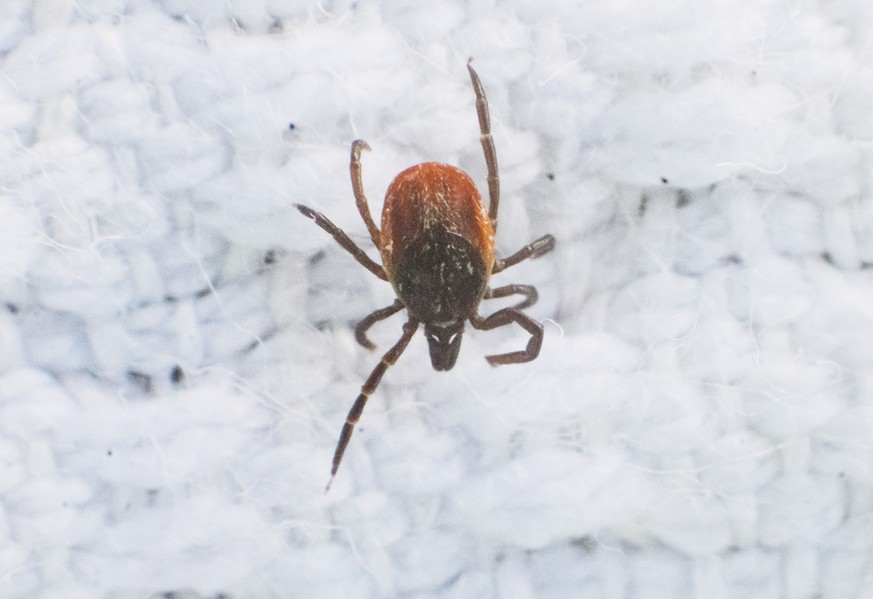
176,348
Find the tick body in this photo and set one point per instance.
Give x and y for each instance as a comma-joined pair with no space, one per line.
437,249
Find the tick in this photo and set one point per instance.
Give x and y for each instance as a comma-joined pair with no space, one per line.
437,250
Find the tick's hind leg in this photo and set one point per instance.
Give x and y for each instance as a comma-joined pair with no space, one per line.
507,316
534,249
367,389
487,145
528,291
341,238
358,188
381,314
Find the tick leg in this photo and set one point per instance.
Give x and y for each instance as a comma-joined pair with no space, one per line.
507,316
358,188
487,145
529,292
342,239
535,249
367,390
362,327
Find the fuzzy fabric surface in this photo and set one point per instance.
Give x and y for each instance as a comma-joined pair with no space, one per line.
177,350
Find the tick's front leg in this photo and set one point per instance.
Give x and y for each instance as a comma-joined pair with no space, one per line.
508,316
528,291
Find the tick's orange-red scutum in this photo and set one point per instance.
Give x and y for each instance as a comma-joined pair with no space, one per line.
428,195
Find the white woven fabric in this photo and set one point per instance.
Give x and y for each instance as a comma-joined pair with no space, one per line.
176,347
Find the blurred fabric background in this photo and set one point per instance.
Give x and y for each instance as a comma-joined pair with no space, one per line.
176,341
